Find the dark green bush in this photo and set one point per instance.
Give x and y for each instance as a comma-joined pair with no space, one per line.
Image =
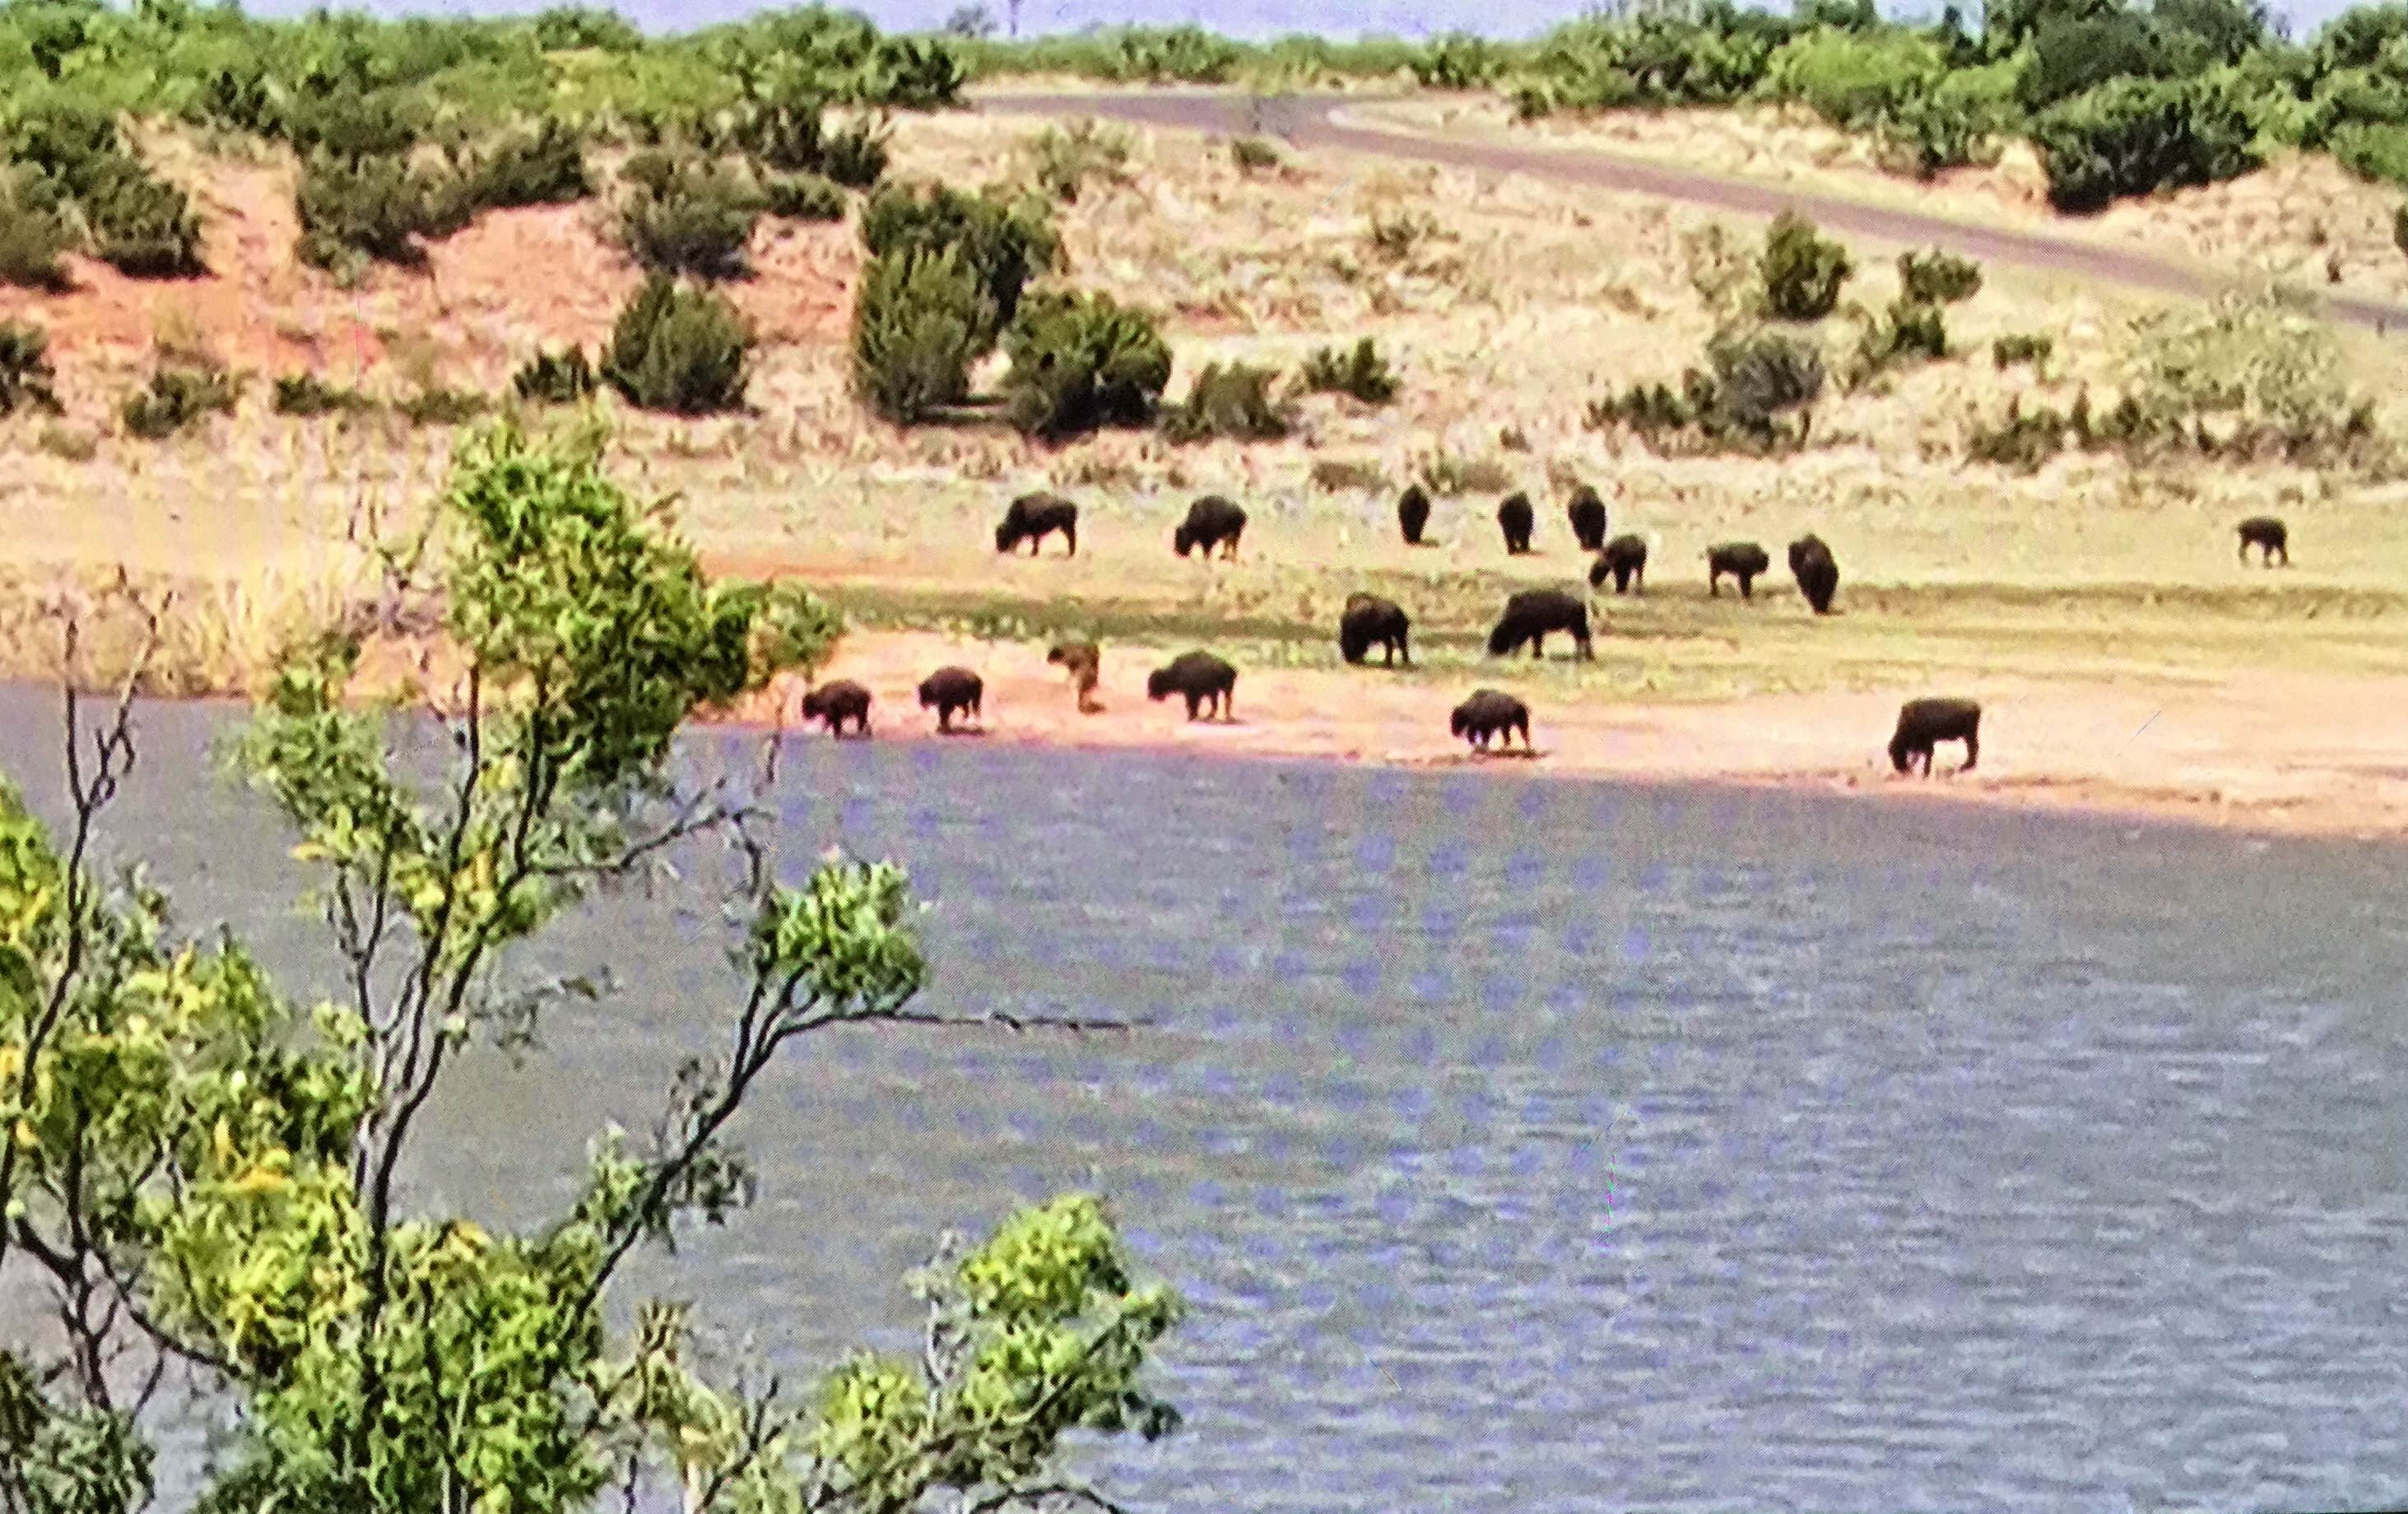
2133,136
2028,347
306,394
1752,380
1235,402
803,197
1063,160
2399,228
138,223
380,209
1003,242
920,321
1801,270
1910,330
855,157
2373,149
555,378
1457,61
1252,154
25,375
175,398
1177,54
1938,278
440,406
563,28
1360,371
545,166
697,224
1079,363
681,349
33,235
388,123
786,129
2072,56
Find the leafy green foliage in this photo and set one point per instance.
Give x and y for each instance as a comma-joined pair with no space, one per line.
1801,271
2130,137
1753,381
545,166
2021,347
33,234
1004,242
25,373
1359,371
437,405
379,208
1252,155
1082,361
1235,402
1938,278
696,222
1457,61
72,156
803,197
920,321
1911,330
1064,161
307,394
561,378
176,397
2073,55
678,348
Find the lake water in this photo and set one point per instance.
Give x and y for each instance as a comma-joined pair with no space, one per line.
1530,1145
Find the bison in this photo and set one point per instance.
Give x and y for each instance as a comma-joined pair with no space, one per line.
1200,678
951,690
1625,559
1084,662
1413,513
1489,713
1531,614
1032,518
1212,522
1587,514
1741,560
1923,723
2269,537
1817,574
1368,618
1515,518
836,703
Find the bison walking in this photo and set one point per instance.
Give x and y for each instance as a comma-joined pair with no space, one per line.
1741,560
1084,662
2269,537
950,691
1924,724
1200,677
1488,714
836,703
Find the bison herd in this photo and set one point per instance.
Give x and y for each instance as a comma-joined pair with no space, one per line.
1208,683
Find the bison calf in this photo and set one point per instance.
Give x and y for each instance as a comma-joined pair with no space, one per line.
1084,662
1587,514
1817,574
1368,618
950,691
1489,713
1200,678
1924,724
1625,559
1741,560
1532,614
1413,513
2269,537
1515,518
1032,518
836,703
1212,522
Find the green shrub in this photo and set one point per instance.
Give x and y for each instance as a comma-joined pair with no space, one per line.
1062,161
354,127
786,130
1080,363
1235,402
1911,330
175,398
698,224
25,375
2030,346
1397,236
2133,136
306,394
1457,61
1252,155
680,350
440,406
379,208
1938,278
920,321
1178,54
1003,242
803,197
1752,380
855,157
138,223
1852,78
555,378
2072,56
1361,372
33,236
545,166
2376,150
1953,122
1800,270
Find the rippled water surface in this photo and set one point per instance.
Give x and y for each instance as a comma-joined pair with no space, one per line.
1530,1145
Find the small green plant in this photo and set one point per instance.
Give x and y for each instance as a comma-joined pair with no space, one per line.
437,405
2021,347
1457,61
696,223
1398,236
555,378
1063,161
1910,331
1801,270
1754,379
178,398
1004,241
1360,371
374,209
1449,475
1252,155
920,321
1938,278
1080,363
680,350
1342,475
306,394
25,375
857,156
803,197
545,166
33,234
1233,400
69,444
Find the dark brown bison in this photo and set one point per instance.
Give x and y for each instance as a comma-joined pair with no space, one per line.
1212,522
1413,513
1032,518
1531,614
1587,514
1369,619
949,691
1741,560
1489,713
1515,518
1923,723
2269,537
1200,678
1084,662
836,703
1625,560
1817,574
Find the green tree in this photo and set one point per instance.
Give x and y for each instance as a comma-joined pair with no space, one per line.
204,1169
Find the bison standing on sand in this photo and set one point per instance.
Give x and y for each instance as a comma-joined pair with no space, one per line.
1084,662
1924,724
1587,514
1489,713
1369,619
1200,678
950,691
1531,614
1515,518
1413,513
1212,522
1817,574
1625,559
836,703
1032,518
2269,537
1741,560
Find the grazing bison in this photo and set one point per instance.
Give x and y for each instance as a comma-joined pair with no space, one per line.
1587,514
1368,618
1923,723
1817,574
1487,714
2269,537
950,690
1212,522
1200,678
1084,662
1515,518
1032,518
1625,559
1741,560
836,703
1531,614
1413,513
